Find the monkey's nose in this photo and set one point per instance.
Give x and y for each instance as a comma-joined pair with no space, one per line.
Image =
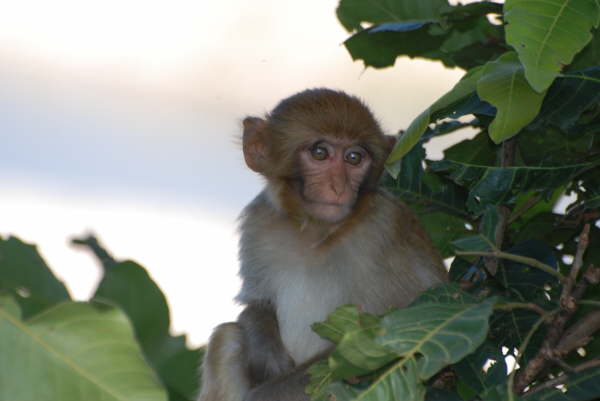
338,185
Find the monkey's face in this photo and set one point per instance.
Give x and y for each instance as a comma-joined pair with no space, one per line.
332,172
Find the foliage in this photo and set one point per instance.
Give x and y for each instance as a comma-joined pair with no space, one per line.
117,346
531,95
515,205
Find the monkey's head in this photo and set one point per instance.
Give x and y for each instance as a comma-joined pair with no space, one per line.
320,149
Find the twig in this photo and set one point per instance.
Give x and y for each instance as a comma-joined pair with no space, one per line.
562,379
579,334
517,258
104,257
511,378
592,363
592,303
521,305
576,336
577,263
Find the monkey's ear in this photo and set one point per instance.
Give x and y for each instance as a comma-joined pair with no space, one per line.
255,148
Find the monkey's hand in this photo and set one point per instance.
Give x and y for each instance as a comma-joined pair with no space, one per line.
266,353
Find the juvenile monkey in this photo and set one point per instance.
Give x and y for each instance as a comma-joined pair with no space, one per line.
321,234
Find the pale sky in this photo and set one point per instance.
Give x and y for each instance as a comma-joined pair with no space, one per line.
123,118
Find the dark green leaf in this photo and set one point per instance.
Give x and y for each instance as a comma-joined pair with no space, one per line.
426,191
473,243
443,229
489,222
589,56
475,372
25,274
494,185
479,150
569,97
379,48
129,286
352,13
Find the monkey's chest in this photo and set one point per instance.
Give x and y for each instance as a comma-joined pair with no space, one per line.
303,299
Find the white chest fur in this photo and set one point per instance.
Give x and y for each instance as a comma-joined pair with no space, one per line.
305,295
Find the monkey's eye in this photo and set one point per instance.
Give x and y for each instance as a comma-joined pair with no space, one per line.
319,153
353,158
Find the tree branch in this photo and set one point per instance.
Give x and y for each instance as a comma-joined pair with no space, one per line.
556,345
517,258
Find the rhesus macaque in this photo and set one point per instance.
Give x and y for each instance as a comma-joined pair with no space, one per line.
321,234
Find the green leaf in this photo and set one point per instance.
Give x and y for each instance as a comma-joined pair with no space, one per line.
345,319
435,334
589,56
410,138
379,46
448,293
478,150
398,382
503,85
473,243
473,371
25,274
425,191
444,228
72,351
547,34
525,281
129,286
356,353
178,368
569,97
352,12
494,185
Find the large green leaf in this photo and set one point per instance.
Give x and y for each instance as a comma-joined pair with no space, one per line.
503,84
428,336
547,34
435,334
72,352
352,13
24,273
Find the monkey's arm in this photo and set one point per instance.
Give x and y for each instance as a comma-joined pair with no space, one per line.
267,356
